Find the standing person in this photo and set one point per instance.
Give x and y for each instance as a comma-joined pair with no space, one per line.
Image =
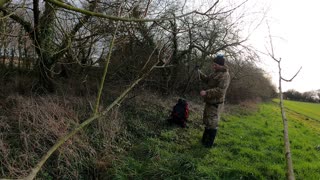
214,97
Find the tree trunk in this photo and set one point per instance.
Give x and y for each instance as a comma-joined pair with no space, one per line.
289,173
0,56
25,60
175,59
20,49
45,83
4,53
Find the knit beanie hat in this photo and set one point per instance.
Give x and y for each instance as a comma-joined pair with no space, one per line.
219,59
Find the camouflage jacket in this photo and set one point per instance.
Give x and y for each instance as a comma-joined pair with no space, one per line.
217,83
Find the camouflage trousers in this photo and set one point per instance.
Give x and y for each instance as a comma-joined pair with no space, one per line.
211,115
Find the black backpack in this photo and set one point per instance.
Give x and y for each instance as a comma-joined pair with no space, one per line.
180,113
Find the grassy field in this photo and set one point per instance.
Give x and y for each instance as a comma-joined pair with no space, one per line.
311,110
249,145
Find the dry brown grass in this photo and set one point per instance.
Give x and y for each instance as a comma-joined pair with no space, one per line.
31,125
147,98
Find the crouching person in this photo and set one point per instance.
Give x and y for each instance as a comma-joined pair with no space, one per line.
180,113
214,97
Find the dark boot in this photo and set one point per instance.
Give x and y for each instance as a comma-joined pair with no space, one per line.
205,136
211,136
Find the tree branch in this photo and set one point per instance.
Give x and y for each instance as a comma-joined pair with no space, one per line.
2,2
147,8
69,37
105,69
25,24
271,44
292,77
115,18
228,45
209,8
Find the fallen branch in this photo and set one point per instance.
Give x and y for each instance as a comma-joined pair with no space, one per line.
106,67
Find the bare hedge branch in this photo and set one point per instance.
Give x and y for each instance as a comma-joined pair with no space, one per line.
83,11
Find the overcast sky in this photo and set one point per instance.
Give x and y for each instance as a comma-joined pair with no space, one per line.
295,26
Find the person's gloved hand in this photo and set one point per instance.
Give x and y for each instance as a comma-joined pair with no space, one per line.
203,93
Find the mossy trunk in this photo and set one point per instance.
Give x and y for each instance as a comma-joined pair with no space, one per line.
45,82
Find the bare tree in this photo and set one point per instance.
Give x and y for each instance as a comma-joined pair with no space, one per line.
41,30
289,172
192,40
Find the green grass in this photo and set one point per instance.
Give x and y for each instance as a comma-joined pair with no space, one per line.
247,147
311,110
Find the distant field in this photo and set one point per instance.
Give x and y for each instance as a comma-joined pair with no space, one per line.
311,110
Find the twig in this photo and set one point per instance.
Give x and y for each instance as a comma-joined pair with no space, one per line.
293,76
209,8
